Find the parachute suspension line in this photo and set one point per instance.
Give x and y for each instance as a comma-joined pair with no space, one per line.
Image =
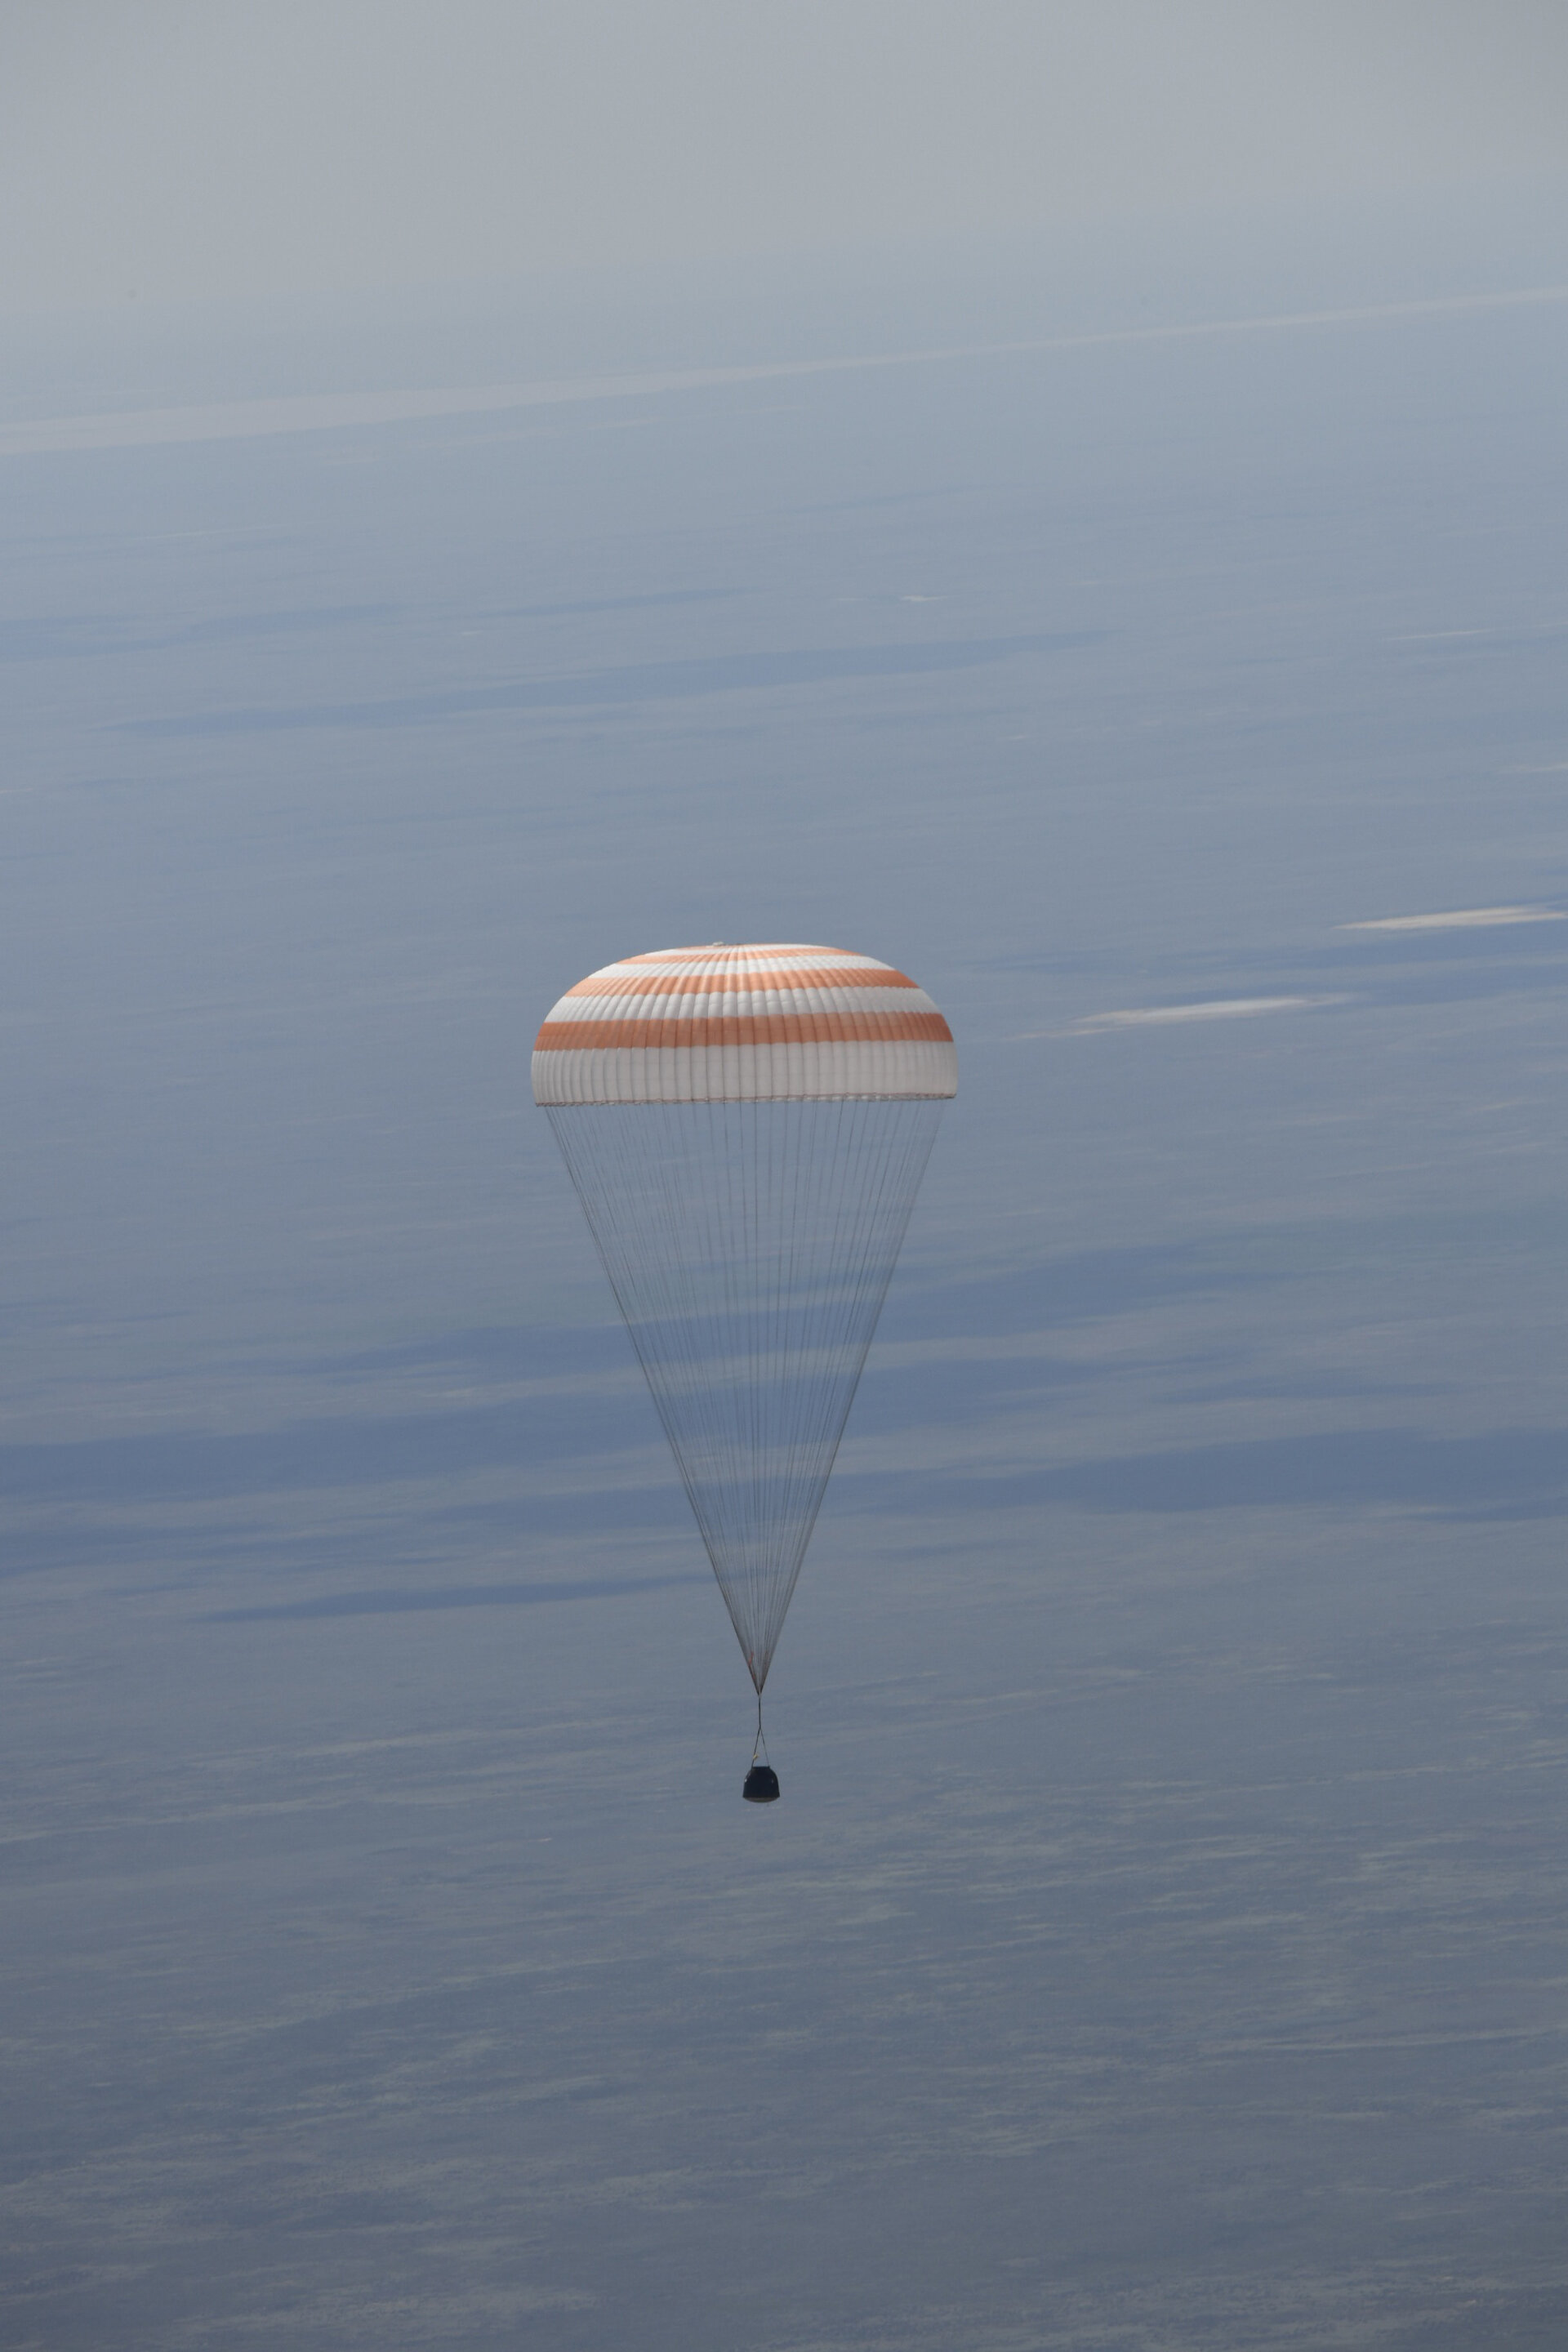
750,1245
760,1745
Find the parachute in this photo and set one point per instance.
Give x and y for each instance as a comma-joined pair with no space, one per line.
746,1128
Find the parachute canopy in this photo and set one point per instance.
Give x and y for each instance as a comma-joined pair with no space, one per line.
744,1024
747,1128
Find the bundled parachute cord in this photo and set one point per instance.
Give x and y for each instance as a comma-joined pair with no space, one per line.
750,1245
760,1745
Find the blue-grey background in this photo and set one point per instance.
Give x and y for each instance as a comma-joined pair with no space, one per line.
1160,1945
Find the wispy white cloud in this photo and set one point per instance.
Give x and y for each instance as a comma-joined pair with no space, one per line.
243,420
1461,918
1165,1017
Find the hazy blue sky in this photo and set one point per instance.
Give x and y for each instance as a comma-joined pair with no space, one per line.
1159,1945
164,149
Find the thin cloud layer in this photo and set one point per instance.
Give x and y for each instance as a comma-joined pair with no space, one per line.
248,420
1165,1016
1461,918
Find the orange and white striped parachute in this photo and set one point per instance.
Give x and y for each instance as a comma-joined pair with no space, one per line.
747,1128
744,1024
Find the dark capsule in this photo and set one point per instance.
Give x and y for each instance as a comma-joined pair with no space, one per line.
761,1785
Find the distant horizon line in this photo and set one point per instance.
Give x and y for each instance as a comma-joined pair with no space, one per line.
332,412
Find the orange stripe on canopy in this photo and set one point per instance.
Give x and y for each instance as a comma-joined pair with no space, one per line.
758,1029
